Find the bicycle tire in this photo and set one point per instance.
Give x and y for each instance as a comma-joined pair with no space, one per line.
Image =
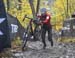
37,33
25,38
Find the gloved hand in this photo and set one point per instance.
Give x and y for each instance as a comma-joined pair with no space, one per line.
41,23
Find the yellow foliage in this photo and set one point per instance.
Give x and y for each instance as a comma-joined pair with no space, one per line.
25,9
59,8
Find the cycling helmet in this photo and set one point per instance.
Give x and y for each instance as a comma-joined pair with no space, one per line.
43,10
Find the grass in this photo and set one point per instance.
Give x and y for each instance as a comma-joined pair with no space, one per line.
16,43
66,39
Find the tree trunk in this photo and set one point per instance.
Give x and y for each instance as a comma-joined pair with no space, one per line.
8,5
38,6
32,8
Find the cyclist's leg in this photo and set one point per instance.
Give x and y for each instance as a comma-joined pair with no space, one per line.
50,36
43,37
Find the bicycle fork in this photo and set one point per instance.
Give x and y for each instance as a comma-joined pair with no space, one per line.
25,37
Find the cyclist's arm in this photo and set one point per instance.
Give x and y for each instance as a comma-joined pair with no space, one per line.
47,19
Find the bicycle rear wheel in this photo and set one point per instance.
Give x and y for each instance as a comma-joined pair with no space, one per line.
37,34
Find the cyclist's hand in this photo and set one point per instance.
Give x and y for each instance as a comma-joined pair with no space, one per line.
41,23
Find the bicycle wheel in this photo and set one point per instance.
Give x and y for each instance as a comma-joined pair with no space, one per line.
25,37
37,33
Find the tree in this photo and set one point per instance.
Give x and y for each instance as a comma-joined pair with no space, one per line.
38,6
8,4
32,8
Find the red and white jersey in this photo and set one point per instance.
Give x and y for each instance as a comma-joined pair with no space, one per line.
45,19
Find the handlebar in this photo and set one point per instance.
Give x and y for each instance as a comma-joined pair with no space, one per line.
26,17
31,20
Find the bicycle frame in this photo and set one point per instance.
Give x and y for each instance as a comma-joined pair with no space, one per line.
30,23
28,29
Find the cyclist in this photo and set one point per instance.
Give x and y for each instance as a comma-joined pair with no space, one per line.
46,26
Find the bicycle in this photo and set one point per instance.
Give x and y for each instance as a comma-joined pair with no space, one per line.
36,33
